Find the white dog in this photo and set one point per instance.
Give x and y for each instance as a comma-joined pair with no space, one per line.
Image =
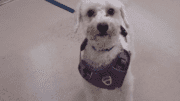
106,52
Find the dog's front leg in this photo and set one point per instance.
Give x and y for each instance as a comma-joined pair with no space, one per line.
127,87
128,95
92,93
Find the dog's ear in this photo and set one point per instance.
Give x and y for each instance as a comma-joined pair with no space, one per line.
123,14
83,45
79,17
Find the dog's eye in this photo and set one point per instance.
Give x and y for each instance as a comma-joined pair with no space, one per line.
90,13
110,11
123,32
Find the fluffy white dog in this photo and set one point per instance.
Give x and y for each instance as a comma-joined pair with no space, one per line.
106,52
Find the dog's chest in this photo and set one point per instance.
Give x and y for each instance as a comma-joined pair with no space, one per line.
97,59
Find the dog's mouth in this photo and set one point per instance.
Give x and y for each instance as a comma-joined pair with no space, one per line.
102,34
107,49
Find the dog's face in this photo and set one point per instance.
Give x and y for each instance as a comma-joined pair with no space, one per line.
103,23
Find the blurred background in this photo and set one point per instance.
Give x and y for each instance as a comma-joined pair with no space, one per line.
39,52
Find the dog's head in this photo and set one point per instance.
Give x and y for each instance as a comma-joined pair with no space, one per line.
103,22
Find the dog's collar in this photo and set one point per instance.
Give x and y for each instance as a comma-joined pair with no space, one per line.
102,49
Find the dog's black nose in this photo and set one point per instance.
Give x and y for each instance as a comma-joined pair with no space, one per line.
102,27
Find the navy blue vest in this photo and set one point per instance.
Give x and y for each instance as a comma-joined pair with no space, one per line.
110,76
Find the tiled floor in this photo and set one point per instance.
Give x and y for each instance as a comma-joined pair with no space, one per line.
39,52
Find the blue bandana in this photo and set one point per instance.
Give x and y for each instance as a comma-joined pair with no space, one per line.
108,77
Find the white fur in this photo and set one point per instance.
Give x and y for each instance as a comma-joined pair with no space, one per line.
97,58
